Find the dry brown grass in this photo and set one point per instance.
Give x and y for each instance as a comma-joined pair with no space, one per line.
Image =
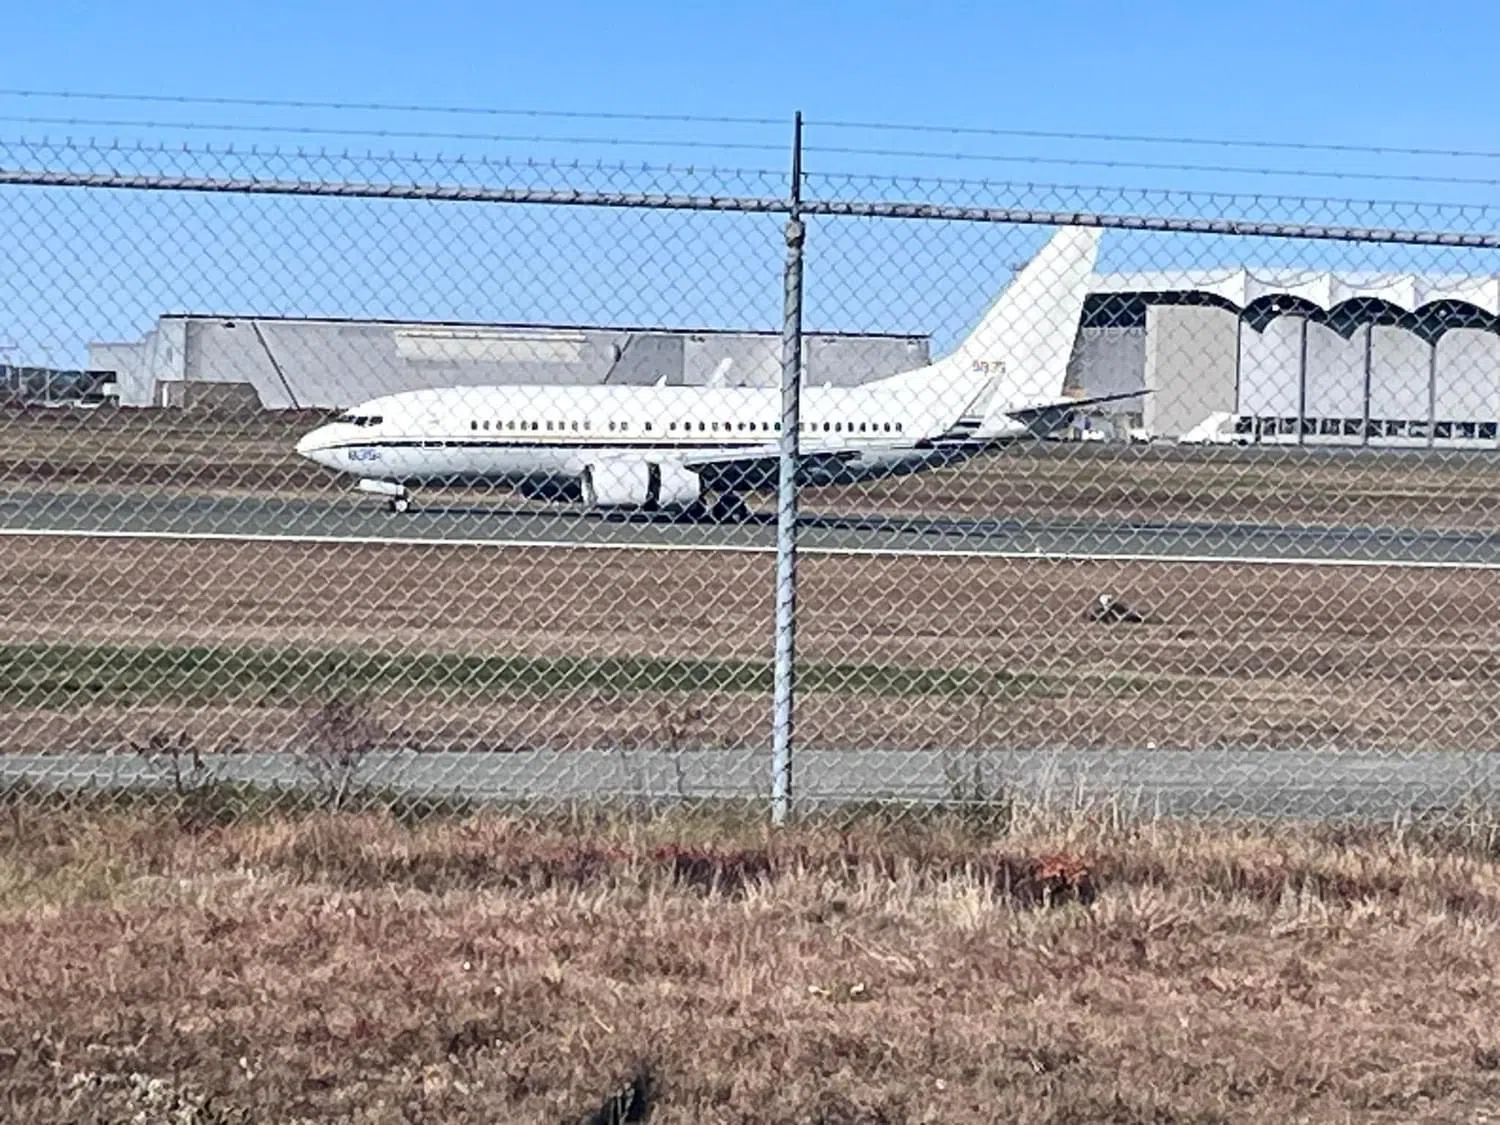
506,970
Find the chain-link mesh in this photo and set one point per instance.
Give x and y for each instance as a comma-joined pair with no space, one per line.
455,481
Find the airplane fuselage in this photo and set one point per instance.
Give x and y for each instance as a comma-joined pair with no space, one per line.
666,446
528,433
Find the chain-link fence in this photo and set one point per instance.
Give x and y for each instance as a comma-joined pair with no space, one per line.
452,482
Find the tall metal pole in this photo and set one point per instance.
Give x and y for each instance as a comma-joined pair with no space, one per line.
1302,384
1369,378
786,507
1432,363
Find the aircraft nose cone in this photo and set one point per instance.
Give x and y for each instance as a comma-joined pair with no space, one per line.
309,443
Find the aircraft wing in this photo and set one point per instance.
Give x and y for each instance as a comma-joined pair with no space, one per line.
829,448
771,451
759,453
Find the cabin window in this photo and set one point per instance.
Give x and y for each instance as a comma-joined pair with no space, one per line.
648,427
473,425
611,427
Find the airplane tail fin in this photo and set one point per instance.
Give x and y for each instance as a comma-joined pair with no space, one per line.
1031,330
1022,345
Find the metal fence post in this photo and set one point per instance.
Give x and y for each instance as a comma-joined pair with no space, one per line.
786,507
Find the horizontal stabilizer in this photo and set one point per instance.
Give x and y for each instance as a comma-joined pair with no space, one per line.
1048,417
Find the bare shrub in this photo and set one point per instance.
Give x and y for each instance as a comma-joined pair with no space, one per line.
341,733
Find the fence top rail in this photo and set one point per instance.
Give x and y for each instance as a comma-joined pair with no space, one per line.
1173,224
745,204
129,181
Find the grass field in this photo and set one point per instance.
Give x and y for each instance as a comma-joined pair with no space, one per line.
201,676
166,451
104,642
1056,970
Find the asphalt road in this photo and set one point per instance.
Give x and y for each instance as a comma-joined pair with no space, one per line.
365,519
1289,784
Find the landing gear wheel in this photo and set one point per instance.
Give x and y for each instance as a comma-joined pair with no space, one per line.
400,504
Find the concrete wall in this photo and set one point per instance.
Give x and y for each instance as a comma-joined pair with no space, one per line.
159,357
1467,382
1468,375
1189,366
1335,372
753,361
1399,370
1110,360
846,361
1270,365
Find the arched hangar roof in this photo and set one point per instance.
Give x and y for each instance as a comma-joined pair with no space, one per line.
1325,289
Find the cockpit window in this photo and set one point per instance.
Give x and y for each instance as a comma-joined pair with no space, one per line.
361,419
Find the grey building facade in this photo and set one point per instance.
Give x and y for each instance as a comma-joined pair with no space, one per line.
276,363
1306,357
1236,355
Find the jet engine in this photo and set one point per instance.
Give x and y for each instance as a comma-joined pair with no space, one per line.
640,484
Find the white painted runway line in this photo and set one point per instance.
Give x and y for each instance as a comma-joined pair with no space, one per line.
968,553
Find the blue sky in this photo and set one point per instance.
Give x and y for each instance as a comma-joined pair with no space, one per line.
1392,74
1368,73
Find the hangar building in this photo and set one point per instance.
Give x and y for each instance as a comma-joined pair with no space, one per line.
280,363
1299,357
1238,355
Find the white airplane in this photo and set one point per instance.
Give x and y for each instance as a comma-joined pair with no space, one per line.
669,447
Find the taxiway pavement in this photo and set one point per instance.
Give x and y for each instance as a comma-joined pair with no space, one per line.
364,519
1301,785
